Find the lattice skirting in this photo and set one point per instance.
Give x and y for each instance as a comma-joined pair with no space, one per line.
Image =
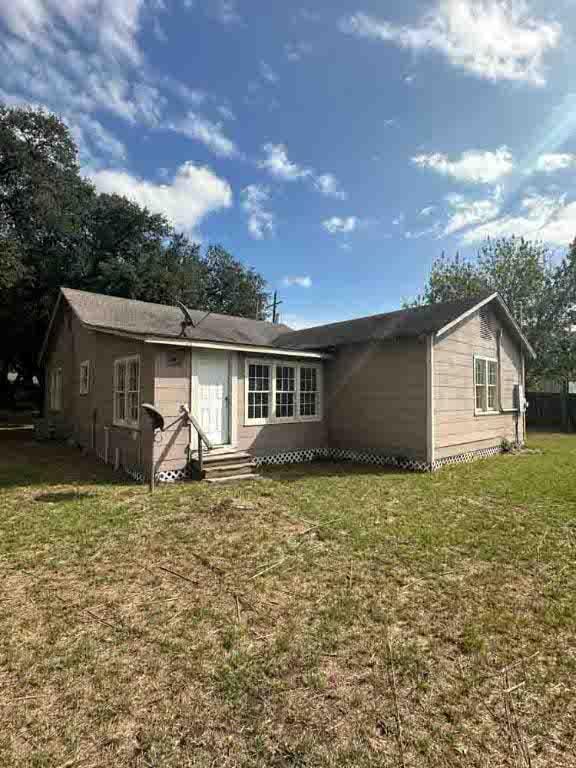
307,455
173,475
369,457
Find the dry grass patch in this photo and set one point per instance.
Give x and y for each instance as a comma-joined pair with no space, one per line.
325,616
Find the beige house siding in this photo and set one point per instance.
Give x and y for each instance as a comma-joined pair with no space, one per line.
456,427
275,438
172,383
376,398
89,418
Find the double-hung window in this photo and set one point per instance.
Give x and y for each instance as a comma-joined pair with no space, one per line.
85,377
486,385
285,392
55,389
282,391
127,391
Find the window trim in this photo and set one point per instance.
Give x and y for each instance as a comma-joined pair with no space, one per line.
53,406
84,390
488,411
126,422
272,418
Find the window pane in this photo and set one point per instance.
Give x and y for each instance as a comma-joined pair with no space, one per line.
492,372
258,378
133,406
480,371
120,406
133,375
258,405
492,398
480,398
285,391
308,405
120,377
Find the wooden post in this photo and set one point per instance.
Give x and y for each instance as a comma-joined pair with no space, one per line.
151,483
566,425
200,458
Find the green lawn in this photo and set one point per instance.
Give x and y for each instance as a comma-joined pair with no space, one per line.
326,616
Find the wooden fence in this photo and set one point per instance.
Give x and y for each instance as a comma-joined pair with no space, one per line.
545,409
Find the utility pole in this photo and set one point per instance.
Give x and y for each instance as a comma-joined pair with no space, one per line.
275,308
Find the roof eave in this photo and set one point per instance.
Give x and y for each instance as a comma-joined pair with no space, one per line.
205,344
50,326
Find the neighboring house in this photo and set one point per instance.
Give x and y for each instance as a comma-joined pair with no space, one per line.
416,388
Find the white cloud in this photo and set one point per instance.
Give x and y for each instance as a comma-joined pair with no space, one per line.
328,185
267,73
340,226
277,163
210,134
226,112
113,24
297,51
549,219
303,281
193,193
550,163
466,213
260,221
473,166
491,39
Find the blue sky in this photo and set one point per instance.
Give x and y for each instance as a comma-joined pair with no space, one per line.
337,147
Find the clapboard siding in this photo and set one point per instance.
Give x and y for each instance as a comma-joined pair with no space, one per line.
376,398
456,427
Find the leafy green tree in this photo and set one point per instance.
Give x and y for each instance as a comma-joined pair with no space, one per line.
539,289
56,230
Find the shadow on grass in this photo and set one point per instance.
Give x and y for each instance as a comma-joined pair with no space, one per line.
63,498
25,461
322,469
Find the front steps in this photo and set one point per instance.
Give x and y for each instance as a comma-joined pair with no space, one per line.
226,466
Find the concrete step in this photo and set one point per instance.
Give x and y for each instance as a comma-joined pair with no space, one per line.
224,457
217,469
233,479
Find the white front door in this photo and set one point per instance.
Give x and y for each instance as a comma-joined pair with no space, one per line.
213,370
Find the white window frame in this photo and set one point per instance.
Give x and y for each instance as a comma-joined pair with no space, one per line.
272,417
126,421
84,384
496,409
55,389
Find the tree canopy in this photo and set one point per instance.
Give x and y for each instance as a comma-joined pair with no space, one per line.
55,229
538,287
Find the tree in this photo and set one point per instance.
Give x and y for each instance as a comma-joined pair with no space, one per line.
55,229
539,289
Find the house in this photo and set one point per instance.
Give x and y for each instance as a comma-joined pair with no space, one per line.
416,388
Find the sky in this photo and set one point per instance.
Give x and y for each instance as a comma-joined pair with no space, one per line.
336,147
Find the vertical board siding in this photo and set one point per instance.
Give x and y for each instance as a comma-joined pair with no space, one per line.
457,428
376,398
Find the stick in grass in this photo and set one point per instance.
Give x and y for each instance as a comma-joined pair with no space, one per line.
392,675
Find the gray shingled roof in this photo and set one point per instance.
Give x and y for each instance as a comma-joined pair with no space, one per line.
403,323
145,319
